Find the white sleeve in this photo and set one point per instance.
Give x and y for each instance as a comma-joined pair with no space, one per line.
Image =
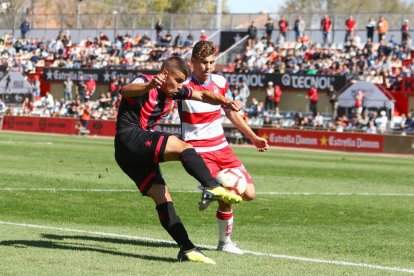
139,80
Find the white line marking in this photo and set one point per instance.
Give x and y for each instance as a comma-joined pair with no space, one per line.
195,191
278,256
25,142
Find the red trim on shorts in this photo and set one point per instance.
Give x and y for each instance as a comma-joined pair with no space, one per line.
145,182
224,215
157,150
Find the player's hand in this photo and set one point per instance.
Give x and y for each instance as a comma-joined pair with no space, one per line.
235,105
260,143
158,80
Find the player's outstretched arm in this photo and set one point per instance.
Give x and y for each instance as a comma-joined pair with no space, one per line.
139,89
216,99
237,120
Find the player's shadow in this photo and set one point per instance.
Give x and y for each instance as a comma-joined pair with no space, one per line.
51,244
111,240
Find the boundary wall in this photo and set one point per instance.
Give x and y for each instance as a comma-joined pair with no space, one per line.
325,140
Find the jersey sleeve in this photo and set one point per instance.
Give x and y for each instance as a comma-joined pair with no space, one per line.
139,79
184,93
228,94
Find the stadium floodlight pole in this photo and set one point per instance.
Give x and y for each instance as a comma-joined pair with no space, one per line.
78,5
219,13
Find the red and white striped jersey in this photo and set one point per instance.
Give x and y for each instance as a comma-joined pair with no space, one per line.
201,122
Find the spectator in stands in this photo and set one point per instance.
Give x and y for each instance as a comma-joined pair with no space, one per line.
381,121
326,27
299,28
371,129
405,34
159,26
267,122
283,27
178,40
342,123
401,126
114,89
203,35
305,41
48,100
27,107
244,93
370,27
189,40
36,87
24,28
318,120
103,38
350,25
277,95
333,100
80,89
270,96
269,27
166,40
252,33
299,119
86,116
253,109
382,28
363,121
67,89
359,99
409,123
144,40
90,87
312,95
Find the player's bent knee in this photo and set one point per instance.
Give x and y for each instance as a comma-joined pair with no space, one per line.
174,148
250,193
159,193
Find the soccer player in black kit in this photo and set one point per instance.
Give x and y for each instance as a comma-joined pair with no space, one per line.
139,149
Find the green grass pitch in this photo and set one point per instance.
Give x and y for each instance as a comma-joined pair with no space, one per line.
66,208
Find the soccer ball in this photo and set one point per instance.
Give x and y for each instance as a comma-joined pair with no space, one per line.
233,180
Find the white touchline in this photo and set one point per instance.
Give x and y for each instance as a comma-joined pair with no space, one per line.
278,256
196,191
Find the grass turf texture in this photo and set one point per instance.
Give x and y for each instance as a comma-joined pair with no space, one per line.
373,229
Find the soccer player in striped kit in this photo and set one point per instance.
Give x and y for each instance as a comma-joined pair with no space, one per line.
201,127
139,149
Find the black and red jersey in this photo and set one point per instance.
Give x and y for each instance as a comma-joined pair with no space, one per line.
144,112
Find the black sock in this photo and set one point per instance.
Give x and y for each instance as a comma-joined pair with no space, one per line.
196,167
172,223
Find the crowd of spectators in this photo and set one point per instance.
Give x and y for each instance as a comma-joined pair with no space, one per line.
124,52
383,62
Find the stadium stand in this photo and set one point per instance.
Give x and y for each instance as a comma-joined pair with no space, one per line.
384,63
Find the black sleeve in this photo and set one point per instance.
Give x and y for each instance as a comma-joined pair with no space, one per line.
184,93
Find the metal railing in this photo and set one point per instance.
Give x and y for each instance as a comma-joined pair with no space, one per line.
187,21
83,26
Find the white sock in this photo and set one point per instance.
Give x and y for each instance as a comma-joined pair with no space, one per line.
225,225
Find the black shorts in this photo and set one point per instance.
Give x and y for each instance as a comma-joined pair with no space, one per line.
138,153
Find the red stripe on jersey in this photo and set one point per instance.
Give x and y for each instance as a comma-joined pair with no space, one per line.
208,142
223,215
146,181
148,107
157,150
200,118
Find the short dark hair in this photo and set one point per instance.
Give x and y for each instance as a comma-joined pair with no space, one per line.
203,49
177,63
